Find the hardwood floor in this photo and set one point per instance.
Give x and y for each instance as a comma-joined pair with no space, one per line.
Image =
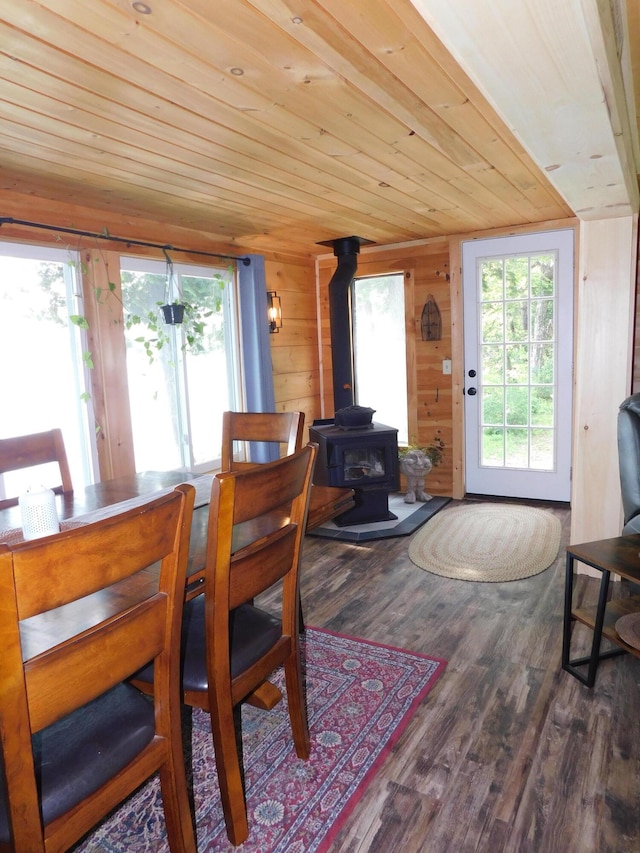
507,752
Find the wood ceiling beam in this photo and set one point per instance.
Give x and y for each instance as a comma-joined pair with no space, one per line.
551,71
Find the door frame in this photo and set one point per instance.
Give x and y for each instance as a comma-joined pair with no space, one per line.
491,242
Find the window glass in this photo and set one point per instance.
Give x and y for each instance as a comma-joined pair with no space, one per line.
380,352
518,357
44,381
181,377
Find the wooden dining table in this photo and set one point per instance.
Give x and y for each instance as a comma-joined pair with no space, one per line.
111,496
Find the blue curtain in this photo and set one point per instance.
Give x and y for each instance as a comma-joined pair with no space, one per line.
256,347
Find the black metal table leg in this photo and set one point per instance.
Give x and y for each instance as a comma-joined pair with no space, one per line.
597,629
567,620
595,657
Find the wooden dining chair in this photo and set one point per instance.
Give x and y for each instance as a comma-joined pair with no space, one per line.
230,646
76,738
238,428
27,451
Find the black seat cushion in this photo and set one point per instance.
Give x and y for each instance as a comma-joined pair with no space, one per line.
79,753
253,632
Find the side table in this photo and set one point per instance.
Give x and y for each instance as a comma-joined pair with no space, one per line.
621,556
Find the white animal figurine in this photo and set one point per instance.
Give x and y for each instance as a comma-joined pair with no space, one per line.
415,466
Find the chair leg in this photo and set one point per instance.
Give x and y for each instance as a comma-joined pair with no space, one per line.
297,705
175,801
229,772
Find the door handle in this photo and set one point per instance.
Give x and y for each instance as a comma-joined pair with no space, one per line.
472,392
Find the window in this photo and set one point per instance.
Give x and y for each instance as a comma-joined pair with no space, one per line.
44,382
518,345
379,346
179,386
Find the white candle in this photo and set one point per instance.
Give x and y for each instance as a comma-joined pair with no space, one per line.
38,512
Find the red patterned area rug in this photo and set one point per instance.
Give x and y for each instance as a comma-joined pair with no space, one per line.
361,696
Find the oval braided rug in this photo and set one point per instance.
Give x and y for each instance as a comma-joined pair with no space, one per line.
487,542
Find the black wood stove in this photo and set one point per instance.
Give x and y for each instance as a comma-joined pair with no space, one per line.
363,459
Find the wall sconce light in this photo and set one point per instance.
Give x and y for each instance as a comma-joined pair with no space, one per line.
274,312
431,321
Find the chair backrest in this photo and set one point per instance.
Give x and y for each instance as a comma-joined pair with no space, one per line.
629,461
283,428
27,451
257,521
143,552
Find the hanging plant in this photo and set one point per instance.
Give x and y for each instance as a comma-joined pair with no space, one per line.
154,329
173,314
190,317
155,336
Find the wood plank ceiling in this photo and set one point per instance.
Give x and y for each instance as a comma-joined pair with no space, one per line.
265,123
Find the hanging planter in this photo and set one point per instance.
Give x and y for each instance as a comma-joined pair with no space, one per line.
195,334
173,314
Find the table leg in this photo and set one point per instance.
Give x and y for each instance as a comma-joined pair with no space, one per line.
568,621
597,629
595,657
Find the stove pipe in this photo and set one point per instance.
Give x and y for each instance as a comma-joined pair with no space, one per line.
346,250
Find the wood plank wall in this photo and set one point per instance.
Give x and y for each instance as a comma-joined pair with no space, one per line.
426,268
604,346
301,355
106,342
294,349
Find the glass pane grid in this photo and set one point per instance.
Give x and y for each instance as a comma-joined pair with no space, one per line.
517,365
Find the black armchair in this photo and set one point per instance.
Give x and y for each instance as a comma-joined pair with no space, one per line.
629,461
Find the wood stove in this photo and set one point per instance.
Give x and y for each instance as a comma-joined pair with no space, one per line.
364,459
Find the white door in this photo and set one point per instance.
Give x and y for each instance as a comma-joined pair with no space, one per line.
518,344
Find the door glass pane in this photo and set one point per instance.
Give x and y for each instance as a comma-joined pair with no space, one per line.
380,352
493,365
516,450
181,377
493,405
517,317
492,322
517,406
542,406
492,446
41,353
517,360
541,447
